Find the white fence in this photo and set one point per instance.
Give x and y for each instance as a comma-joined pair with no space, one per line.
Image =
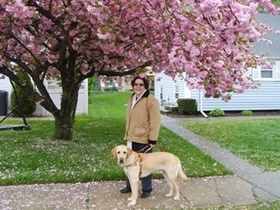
55,92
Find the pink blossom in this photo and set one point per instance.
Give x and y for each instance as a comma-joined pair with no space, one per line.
142,75
209,40
2,62
158,78
226,98
267,65
102,36
194,52
40,101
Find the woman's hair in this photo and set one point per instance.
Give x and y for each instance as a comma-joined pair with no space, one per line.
145,81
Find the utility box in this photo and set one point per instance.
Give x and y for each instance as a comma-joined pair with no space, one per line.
3,102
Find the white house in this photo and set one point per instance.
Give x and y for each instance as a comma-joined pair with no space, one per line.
266,97
55,92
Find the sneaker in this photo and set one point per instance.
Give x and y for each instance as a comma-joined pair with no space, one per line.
125,190
145,194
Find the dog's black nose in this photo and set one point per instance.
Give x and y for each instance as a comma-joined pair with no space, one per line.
121,160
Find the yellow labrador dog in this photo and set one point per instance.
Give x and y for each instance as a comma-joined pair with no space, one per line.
138,165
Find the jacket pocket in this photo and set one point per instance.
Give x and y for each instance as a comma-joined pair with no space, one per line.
141,131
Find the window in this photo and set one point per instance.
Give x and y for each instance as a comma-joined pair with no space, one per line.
176,92
266,73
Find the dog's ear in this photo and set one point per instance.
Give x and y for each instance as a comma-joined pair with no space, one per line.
114,151
129,151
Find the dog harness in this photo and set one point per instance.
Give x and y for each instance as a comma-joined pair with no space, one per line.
140,163
140,155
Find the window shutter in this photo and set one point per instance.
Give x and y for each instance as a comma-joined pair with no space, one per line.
277,70
256,73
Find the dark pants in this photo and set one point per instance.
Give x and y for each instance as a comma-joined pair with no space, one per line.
146,181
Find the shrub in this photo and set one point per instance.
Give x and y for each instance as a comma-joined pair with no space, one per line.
246,113
27,104
114,88
187,106
217,113
93,84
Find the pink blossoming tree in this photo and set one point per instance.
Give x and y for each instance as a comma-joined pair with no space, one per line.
209,40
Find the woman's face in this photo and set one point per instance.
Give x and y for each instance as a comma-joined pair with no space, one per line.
138,87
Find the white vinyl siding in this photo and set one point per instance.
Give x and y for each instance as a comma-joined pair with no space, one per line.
168,91
266,97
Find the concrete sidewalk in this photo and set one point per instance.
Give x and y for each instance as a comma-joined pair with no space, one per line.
204,192
249,185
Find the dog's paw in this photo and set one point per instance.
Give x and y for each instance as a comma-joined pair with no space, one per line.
132,203
176,198
130,198
168,195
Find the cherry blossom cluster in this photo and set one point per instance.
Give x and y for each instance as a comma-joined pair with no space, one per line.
209,40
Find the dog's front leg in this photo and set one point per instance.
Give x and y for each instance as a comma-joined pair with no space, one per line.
134,183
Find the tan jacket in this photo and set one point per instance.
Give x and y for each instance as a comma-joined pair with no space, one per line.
143,121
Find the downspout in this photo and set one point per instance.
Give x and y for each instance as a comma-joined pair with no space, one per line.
201,104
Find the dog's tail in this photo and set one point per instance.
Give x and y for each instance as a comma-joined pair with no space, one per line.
182,175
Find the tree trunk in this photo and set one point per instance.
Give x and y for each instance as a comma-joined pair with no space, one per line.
65,118
64,128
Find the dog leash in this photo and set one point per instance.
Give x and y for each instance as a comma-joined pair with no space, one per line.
150,146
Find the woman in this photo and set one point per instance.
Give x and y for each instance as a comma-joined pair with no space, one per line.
142,126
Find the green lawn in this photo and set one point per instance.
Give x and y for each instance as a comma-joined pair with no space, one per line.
257,141
28,157
31,156
275,205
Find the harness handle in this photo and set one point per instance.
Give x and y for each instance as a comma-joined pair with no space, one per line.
149,147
